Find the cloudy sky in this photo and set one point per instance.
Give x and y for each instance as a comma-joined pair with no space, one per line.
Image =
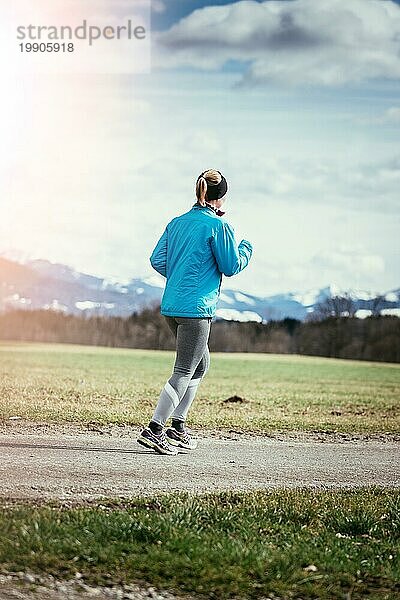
297,102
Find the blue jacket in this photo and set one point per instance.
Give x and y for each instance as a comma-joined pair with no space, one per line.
193,253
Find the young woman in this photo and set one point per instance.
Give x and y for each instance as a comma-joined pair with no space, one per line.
193,253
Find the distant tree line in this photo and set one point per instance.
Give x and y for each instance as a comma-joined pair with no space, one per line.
345,305
374,338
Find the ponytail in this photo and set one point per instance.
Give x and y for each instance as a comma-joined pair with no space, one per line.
201,190
210,185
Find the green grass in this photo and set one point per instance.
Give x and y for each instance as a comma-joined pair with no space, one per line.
242,545
61,383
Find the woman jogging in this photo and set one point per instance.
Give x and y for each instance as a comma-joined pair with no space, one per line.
193,253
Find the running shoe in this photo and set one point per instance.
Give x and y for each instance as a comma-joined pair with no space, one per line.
159,443
180,439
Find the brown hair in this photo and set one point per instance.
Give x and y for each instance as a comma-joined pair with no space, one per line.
211,176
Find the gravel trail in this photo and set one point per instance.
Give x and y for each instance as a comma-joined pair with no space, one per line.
76,464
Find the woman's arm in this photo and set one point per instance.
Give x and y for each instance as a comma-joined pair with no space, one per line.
231,258
158,259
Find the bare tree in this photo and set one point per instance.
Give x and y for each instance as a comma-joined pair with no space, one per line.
335,306
377,303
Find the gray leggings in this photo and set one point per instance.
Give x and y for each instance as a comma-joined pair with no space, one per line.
191,363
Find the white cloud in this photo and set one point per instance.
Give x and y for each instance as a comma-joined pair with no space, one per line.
361,185
392,114
158,6
300,179
329,42
350,265
344,261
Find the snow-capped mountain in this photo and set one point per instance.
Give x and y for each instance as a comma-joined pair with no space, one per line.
33,283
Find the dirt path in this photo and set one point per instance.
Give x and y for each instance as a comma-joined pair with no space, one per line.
73,463
26,586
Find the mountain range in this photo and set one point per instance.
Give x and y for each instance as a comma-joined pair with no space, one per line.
40,284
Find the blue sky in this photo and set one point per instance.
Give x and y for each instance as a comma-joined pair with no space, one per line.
296,101
177,9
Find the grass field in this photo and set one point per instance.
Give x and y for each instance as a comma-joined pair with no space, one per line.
290,543
65,383
68,383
